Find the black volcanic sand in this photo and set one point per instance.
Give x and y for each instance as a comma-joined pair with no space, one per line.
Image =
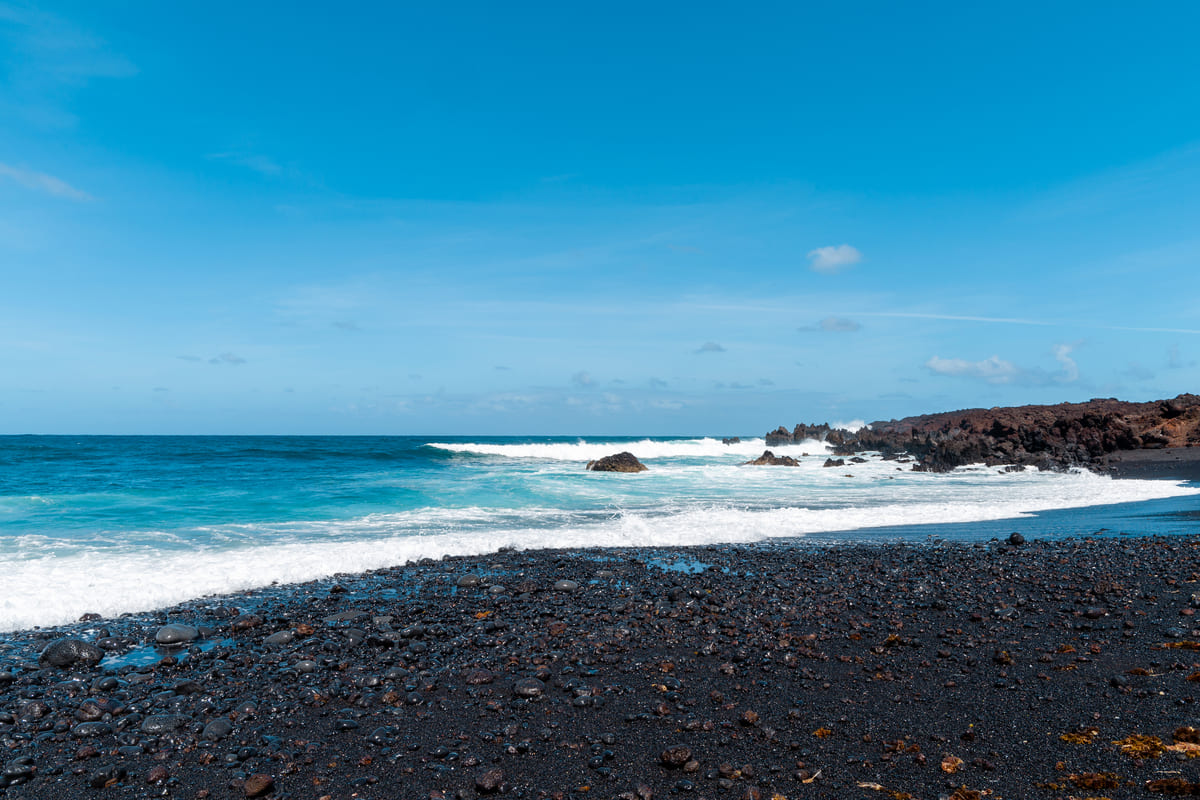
1178,463
873,671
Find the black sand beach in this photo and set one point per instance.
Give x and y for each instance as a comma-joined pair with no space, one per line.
1038,670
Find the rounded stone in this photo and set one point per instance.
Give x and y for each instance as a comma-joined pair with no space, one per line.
565,586
68,651
176,633
217,729
164,723
529,687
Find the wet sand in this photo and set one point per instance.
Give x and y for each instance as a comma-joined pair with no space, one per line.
1168,463
1044,670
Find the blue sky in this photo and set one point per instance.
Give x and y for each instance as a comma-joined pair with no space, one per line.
482,218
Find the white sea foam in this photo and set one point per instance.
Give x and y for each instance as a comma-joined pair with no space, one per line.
644,449
43,589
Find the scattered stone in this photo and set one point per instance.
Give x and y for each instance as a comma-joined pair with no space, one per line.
489,781
675,756
258,785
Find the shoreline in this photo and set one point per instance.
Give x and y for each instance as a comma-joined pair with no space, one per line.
1168,463
802,669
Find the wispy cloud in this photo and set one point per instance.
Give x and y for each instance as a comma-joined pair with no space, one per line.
1177,361
710,347
49,58
992,370
1000,371
833,258
343,325
1060,323
227,358
1137,372
832,325
255,162
583,380
42,182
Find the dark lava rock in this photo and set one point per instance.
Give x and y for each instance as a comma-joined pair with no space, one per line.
529,687
1056,437
68,651
478,677
769,459
565,586
621,462
830,462
246,621
258,785
675,756
164,723
107,776
1016,539
732,440
218,729
176,634
468,581
489,781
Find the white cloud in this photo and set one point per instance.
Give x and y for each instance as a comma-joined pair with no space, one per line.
582,380
41,182
1070,370
711,347
833,258
992,370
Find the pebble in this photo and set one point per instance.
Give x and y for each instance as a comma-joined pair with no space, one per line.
489,781
176,633
675,756
529,687
258,785
218,729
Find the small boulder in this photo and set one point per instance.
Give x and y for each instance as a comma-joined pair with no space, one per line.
68,651
830,462
620,462
769,459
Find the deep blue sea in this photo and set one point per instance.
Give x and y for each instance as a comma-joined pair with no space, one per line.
110,524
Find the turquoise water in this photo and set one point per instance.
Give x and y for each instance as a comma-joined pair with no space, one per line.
113,524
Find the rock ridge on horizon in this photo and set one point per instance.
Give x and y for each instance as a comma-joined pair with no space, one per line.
1044,436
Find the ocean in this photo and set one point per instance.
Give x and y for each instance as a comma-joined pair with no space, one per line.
113,524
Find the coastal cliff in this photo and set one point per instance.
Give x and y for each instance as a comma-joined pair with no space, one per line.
1047,436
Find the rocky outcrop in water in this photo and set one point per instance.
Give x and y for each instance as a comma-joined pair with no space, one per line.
1048,437
803,433
620,462
769,459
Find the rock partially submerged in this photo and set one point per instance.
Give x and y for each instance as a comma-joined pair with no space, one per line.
769,459
619,462
1047,437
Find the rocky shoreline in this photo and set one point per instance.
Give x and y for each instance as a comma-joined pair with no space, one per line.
1092,435
1026,670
